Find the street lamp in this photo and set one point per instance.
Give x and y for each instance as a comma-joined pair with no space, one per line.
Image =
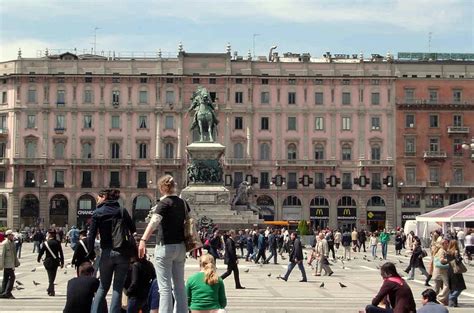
45,181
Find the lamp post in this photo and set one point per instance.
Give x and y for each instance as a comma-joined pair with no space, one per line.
45,181
278,181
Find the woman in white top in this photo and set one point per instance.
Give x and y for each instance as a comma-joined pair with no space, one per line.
373,244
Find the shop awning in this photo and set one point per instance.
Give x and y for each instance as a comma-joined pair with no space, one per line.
459,212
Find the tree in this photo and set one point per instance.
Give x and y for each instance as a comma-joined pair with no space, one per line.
303,228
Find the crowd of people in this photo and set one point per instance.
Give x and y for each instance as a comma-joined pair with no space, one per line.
109,254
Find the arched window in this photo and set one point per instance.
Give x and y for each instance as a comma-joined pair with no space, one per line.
115,150
87,150
346,152
319,152
264,151
292,201
292,155
59,150
29,211
375,152
346,201
85,207
319,201
238,151
376,201
169,150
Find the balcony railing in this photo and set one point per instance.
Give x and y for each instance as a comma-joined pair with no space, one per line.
169,162
346,185
30,161
458,130
435,155
419,184
376,163
114,184
264,185
86,184
142,185
426,103
459,184
4,161
59,184
238,162
376,185
59,130
433,183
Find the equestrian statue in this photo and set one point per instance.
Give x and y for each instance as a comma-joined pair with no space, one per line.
205,119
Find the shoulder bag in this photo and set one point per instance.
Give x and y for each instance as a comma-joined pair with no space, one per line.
191,236
458,266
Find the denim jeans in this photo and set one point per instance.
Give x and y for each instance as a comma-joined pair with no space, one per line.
374,250
291,266
453,296
169,266
412,272
114,264
36,246
384,250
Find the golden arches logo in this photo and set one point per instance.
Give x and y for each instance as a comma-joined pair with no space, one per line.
319,212
346,212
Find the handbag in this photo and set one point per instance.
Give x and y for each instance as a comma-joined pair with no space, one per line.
191,236
458,266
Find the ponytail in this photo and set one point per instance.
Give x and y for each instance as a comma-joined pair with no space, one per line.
209,268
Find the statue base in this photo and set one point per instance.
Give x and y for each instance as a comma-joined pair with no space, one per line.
211,198
214,202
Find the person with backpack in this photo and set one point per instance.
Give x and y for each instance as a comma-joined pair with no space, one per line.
346,243
116,228
330,241
53,259
168,217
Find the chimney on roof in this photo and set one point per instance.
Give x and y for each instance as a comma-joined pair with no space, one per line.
19,53
228,49
249,56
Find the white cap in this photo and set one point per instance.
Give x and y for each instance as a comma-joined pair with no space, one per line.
9,232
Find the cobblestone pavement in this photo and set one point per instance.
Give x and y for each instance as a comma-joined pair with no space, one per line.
263,293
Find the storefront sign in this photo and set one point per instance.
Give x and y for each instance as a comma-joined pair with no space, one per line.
319,213
376,216
406,216
85,212
346,213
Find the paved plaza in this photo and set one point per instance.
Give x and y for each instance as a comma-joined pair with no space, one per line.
263,293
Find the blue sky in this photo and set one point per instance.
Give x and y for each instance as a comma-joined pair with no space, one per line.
368,26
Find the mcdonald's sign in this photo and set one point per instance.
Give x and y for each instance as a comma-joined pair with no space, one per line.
319,213
346,213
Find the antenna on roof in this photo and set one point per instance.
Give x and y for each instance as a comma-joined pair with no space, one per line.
429,41
95,39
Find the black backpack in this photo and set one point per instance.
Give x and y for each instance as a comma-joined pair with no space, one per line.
122,238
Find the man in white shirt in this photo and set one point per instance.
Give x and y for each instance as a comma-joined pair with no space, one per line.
469,244
461,236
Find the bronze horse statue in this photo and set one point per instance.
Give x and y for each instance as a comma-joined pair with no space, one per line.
205,117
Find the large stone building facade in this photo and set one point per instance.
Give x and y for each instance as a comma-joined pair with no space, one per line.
315,137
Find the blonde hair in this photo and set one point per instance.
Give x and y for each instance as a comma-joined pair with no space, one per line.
453,247
166,184
208,264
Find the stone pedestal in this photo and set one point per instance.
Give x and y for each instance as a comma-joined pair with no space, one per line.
210,198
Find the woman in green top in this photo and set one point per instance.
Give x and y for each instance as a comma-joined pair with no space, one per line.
384,239
205,289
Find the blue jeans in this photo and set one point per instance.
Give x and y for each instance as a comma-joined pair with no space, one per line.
36,246
114,264
384,250
169,266
291,266
374,250
453,296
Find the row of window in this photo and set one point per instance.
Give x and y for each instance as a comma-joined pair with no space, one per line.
433,120
431,200
319,151
319,123
143,151
433,95
433,146
88,97
59,179
434,175
88,121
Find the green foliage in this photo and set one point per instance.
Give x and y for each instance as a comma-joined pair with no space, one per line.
303,228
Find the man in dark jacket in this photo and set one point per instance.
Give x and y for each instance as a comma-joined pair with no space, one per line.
346,243
81,290
261,245
272,247
81,252
230,258
113,263
362,239
296,258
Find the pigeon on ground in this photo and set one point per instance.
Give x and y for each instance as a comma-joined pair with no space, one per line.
65,272
400,261
378,267
381,259
34,270
342,285
19,288
19,283
322,285
368,260
269,274
246,270
35,283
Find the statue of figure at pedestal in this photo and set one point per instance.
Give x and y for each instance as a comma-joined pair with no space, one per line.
205,119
